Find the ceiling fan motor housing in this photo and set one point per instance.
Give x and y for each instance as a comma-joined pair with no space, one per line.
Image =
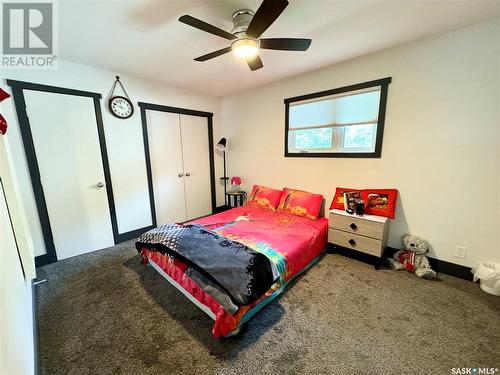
241,20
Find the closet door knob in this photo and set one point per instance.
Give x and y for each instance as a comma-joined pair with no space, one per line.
99,185
180,174
188,174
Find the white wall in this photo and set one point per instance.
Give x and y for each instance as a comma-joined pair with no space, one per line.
441,142
17,268
16,318
123,137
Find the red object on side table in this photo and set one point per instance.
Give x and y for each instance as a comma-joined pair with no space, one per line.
3,123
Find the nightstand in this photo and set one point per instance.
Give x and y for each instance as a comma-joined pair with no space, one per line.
366,233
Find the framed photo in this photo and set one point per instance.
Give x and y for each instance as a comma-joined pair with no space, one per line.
338,199
350,199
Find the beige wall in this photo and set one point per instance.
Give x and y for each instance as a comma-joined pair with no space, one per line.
441,141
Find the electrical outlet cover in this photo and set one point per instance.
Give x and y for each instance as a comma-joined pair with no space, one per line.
460,251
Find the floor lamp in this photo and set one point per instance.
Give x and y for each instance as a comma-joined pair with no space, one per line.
221,146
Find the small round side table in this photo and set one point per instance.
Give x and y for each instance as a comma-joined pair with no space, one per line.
237,197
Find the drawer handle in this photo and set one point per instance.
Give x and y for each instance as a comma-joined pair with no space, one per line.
352,242
353,226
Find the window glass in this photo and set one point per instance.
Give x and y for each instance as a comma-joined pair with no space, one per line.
344,122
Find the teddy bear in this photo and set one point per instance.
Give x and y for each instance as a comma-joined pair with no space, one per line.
411,257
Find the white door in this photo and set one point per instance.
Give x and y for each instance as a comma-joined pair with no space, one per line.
195,153
67,148
165,151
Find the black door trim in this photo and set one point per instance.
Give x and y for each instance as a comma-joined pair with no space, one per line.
181,111
54,89
34,170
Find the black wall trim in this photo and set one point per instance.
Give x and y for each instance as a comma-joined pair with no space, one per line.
462,272
41,260
29,149
181,111
339,90
105,167
54,89
383,83
211,160
149,173
122,237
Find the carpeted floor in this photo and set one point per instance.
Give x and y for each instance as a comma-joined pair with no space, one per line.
105,313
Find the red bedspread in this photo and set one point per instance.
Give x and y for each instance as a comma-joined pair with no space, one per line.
295,240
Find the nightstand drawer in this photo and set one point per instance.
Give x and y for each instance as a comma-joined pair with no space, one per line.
357,225
353,241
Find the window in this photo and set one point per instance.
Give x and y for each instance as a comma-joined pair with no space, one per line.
343,122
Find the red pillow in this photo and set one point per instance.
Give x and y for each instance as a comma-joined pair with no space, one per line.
263,196
381,202
301,203
338,199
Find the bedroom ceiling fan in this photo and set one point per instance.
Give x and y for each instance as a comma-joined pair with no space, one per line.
245,38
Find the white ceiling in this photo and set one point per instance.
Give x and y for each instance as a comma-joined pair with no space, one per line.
144,38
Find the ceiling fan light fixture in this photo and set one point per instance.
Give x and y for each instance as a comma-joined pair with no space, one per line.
245,47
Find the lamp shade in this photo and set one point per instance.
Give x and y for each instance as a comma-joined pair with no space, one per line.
221,146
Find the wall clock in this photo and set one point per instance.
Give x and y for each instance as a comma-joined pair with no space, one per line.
120,106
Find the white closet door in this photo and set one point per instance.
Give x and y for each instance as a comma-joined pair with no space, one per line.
196,165
165,151
66,143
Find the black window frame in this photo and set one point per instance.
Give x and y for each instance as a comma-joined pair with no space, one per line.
384,86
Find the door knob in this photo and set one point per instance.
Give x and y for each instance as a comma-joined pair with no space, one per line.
180,174
188,174
99,185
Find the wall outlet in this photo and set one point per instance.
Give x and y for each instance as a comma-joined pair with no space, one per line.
460,251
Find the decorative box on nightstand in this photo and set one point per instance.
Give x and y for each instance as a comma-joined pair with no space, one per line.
366,233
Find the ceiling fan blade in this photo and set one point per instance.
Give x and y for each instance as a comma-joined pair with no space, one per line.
267,13
199,24
211,55
255,63
285,44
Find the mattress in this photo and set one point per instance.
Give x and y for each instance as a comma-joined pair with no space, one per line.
298,241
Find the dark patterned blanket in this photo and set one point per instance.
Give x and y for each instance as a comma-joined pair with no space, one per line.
243,273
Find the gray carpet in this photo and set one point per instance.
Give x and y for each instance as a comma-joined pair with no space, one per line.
105,313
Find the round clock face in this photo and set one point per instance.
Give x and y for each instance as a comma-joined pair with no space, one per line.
121,107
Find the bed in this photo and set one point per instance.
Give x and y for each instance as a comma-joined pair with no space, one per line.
291,242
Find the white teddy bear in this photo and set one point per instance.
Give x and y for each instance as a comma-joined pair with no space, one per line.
411,257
